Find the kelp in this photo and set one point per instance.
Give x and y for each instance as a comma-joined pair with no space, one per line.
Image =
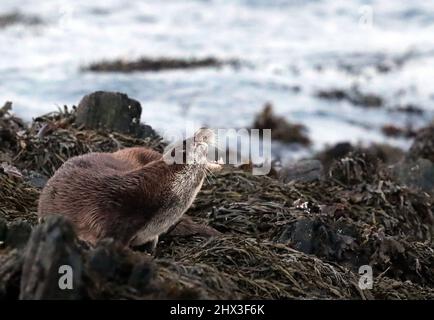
296,240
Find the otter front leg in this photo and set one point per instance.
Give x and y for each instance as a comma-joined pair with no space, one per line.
152,244
144,246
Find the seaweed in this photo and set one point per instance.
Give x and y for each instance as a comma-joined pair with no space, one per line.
296,239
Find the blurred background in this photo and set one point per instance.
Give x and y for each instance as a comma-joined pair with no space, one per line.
358,71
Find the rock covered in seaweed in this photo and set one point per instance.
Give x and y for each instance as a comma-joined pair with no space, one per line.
303,170
417,169
281,130
18,200
353,95
106,271
40,148
151,64
9,19
305,239
51,246
112,111
385,153
423,145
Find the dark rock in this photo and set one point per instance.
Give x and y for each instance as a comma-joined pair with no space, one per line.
391,130
353,96
111,261
18,234
383,152
280,129
150,64
9,19
10,274
313,236
304,170
300,234
423,145
384,68
141,276
105,260
368,100
417,174
51,246
409,109
112,111
336,152
35,179
145,130
3,229
356,168
111,265
9,126
333,94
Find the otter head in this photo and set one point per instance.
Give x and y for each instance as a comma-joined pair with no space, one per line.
193,151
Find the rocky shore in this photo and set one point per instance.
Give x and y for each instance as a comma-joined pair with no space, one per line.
267,237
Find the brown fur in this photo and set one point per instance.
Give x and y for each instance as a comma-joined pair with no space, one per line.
118,194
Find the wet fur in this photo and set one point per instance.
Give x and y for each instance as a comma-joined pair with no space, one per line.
121,194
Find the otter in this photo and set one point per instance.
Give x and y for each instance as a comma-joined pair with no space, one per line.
132,195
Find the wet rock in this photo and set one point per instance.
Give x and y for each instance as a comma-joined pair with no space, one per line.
368,100
410,109
115,269
312,236
5,110
356,168
383,152
9,128
10,274
335,152
417,174
423,145
391,130
109,111
18,234
304,170
106,260
300,234
150,64
280,129
387,154
51,246
35,179
333,94
12,18
141,277
145,131
3,229
353,96
359,216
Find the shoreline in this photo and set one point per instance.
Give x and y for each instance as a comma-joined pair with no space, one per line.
302,238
